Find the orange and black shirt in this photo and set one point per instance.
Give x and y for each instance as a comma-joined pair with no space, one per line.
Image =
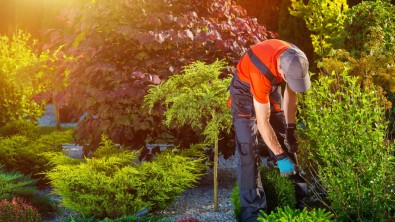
268,52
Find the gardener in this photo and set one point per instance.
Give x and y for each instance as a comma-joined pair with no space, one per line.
257,105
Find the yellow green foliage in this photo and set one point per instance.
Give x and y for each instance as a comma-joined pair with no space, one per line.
325,19
115,185
197,97
27,154
20,70
345,143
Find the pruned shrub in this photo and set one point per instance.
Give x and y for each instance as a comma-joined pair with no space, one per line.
27,155
344,142
18,210
291,215
279,191
19,127
117,185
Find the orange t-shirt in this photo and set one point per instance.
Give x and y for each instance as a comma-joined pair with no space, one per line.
268,52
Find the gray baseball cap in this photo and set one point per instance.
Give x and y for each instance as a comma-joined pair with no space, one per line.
295,66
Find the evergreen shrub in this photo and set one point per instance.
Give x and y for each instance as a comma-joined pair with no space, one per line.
235,199
291,215
27,154
115,185
344,141
17,185
18,210
279,191
19,127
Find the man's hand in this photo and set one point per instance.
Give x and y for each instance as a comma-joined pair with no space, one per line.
285,164
290,141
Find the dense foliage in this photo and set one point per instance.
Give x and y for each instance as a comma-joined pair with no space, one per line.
325,19
20,71
345,143
279,191
206,94
360,25
17,210
16,185
114,184
123,46
26,154
290,215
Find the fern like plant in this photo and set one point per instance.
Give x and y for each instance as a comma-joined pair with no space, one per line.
17,185
14,184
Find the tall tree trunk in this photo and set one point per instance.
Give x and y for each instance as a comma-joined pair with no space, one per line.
216,175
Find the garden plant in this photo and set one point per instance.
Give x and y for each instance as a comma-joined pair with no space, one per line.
113,183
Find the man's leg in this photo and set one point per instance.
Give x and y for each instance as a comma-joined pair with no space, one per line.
252,195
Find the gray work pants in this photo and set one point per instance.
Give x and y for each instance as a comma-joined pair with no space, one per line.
252,195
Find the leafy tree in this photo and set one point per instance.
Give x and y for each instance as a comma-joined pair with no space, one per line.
122,46
325,19
196,97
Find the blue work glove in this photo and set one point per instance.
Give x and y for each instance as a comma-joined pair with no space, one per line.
290,141
285,164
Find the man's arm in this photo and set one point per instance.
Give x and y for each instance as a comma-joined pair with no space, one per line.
290,100
262,112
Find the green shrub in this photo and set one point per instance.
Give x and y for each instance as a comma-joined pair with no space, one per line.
325,19
27,155
14,184
18,210
20,71
287,214
117,185
235,200
279,191
19,127
364,17
345,143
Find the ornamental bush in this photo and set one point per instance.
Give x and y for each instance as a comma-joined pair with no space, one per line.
119,185
27,154
290,215
279,191
20,71
362,19
345,143
19,127
17,185
18,210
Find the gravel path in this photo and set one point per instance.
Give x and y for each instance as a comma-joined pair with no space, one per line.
198,202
